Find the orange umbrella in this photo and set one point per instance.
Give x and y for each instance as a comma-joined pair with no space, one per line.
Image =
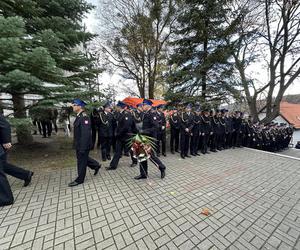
134,101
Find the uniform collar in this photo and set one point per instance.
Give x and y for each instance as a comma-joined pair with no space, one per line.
79,113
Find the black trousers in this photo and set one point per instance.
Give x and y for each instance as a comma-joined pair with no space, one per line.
194,143
13,170
55,125
184,142
155,160
162,137
46,128
238,139
94,136
228,140
205,138
6,195
221,140
84,161
174,139
105,143
121,144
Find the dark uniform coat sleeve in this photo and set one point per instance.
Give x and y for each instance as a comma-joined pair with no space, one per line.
6,196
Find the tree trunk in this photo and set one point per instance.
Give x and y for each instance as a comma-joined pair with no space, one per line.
204,72
151,88
23,129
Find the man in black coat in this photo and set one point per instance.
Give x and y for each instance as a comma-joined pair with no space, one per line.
195,132
125,128
149,128
186,126
106,131
82,143
6,196
161,135
205,130
95,122
175,131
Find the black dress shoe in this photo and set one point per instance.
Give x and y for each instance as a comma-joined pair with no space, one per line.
213,150
110,168
198,154
28,180
97,170
73,184
182,156
193,154
172,152
132,165
187,156
163,174
140,177
177,151
108,157
164,154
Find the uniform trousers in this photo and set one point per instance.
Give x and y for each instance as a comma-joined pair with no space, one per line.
84,161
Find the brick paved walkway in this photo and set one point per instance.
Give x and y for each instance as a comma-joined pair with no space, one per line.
253,196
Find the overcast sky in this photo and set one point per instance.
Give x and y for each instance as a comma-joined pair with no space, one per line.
116,81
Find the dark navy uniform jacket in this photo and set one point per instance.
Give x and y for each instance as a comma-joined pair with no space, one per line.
206,125
150,124
175,121
82,132
5,133
186,121
106,124
125,124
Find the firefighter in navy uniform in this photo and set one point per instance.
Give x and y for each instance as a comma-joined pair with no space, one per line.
6,196
215,124
95,121
161,135
175,131
82,143
125,128
106,131
223,129
149,128
195,132
206,131
186,126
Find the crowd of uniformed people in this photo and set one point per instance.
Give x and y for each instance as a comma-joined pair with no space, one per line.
193,131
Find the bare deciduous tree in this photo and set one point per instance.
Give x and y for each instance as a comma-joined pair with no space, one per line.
135,36
270,33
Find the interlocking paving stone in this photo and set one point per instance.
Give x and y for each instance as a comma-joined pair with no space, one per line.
254,198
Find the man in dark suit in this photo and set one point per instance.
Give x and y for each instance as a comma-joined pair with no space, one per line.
161,135
195,132
6,197
175,131
95,121
125,128
82,143
149,128
186,126
106,130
